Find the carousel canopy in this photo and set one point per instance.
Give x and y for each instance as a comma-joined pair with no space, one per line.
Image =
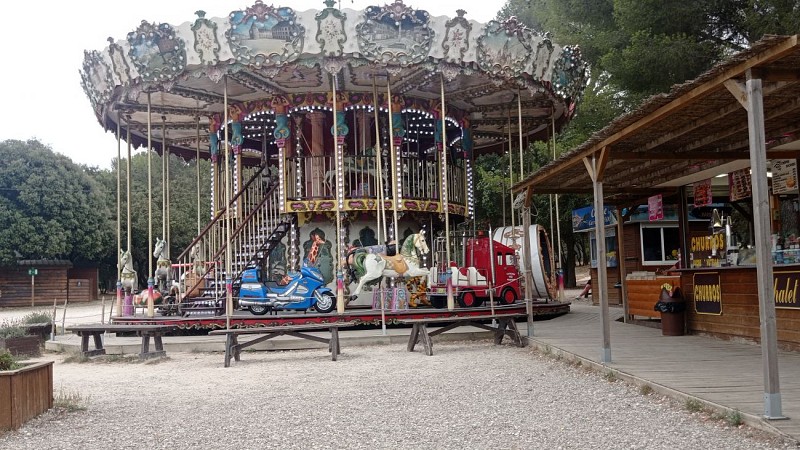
274,60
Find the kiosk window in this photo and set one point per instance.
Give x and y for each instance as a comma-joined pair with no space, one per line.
660,245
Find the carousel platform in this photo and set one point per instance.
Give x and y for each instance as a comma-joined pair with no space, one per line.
362,317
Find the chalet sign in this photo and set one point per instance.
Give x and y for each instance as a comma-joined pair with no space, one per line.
707,292
785,285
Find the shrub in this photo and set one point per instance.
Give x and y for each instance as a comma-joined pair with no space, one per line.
7,362
12,328
37,317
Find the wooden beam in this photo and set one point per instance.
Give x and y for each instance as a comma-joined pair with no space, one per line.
528,196
737,89
774,74
674,155
590,169
602,161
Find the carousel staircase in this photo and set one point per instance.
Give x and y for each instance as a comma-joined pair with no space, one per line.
257,225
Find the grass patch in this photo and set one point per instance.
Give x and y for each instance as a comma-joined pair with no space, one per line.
76,358
70,400
120,358
547,350
610,376
734,418
645,389
693,405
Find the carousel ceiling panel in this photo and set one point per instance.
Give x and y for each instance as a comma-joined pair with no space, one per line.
295,78
273,51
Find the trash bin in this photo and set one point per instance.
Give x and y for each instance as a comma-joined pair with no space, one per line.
672,306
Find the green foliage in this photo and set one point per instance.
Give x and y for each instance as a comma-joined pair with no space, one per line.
649,45
734,418
182,203
49,206
12,328
693,405
37,317
7,362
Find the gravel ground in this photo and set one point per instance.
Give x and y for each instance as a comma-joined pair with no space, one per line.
469,395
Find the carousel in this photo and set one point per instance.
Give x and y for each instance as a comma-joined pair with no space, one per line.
341,145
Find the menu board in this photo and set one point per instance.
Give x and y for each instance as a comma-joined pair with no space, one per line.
784,176
702,193
740,185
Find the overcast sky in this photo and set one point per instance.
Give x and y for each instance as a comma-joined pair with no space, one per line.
42,52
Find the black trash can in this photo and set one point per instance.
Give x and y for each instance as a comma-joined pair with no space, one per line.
673,312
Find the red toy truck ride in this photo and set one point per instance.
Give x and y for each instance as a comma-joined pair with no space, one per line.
471,283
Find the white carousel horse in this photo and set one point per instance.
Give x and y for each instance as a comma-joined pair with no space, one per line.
367,265
198,264
128,276
163,264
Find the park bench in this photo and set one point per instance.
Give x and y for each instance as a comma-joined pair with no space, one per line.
144,331
506,326
233,348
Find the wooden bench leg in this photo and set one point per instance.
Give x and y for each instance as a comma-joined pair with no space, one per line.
334,343
146,353
228,349
98,344
98,341
237,351
500,331
85,343
414,338
426,339
158,342
513,332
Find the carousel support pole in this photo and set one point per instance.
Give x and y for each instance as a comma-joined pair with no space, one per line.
119,213
129,294
559,265
380,212
163,178
228,279
511,182
393,154
451,304
166,199
150,280
526,225
526,261
339,150
197,170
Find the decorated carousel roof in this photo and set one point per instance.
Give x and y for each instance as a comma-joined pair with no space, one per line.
276,59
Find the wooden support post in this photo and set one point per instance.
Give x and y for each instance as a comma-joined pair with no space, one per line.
764,273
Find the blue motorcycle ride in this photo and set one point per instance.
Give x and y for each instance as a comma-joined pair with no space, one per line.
303,290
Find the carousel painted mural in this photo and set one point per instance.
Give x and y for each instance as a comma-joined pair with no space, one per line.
341,142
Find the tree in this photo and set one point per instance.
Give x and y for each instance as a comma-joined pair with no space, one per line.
646,46
49,207
182,202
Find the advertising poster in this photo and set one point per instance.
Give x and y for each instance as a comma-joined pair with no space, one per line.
784,176
655,208
740,185
702,193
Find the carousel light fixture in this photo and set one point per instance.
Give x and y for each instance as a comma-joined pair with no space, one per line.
281,193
